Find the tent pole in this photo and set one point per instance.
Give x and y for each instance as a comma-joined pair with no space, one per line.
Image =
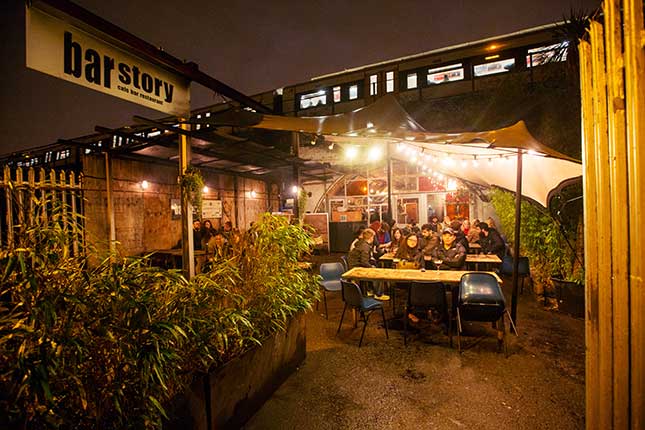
516,245
389,184
187,251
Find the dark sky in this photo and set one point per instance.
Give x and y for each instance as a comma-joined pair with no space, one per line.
252,45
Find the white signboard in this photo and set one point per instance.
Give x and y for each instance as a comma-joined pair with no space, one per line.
62,50
211,209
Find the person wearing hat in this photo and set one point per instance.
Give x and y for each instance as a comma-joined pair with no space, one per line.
451,253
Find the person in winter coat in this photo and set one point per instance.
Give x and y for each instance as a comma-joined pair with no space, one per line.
492,242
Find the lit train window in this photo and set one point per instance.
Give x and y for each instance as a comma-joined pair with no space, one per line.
440,75
495,67
547,54
313,99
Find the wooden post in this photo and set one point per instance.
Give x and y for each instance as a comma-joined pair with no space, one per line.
592,334
9,199
516,245
75,217
110,204
634,40
619,213
188,259
605,309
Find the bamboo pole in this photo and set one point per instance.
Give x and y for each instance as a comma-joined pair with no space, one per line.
590,239
65,223
19,192
605,341
634,40
75,219
42,185
619,204
110,205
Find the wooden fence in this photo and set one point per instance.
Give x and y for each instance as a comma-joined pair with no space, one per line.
612,73
43,198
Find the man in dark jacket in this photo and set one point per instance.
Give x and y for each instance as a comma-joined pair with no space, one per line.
451,253
460,236
429,241
492,242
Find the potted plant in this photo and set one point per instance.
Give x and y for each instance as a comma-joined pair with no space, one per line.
570,293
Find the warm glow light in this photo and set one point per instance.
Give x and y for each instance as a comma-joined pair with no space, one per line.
375,153
253,194
464,163
370,125
491,57
400,147
294,189
331,146
410,138
492,47
205,189
351,152
452,185
475,162
145,185
532,152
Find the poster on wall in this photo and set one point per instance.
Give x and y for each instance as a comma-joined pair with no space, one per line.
175,208
211,209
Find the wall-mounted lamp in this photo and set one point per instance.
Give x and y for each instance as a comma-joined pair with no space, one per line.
144,185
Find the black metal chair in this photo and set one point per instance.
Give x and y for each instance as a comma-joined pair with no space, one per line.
482,299
330,274
523,270
353,297
343,259
427,296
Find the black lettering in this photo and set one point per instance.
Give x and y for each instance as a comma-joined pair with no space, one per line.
108,66
158,84
146,82
124,74
135,77
93,67
168,88
72,56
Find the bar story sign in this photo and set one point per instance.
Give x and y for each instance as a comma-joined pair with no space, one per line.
63,50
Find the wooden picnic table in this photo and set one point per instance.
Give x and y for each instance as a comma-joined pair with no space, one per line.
476,259
408,275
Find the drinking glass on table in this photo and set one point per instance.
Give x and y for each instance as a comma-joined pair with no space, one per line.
437,262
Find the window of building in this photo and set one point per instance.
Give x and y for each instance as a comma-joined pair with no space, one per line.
353,92
494,67
373,85
337,94
411,81
547,54
313,99
441,75
389,82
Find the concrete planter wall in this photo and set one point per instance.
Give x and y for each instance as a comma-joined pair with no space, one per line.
228,396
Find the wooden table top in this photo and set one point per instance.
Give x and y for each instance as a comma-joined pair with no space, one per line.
470,258
474,245
408,275
483,258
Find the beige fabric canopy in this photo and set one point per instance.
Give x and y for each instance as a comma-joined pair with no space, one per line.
486,158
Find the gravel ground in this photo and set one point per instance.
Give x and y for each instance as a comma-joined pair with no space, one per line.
385,385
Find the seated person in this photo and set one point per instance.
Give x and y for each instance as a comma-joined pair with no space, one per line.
410,251
474,232
492,242
396,240
461,237
429,241
451,253
361,256
383,238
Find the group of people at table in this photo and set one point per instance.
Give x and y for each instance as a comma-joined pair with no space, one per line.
440,246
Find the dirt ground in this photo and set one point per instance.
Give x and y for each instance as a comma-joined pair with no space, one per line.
428,385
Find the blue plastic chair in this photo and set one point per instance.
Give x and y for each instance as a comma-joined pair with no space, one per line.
353,297
330,273
482,299
343,259
523,271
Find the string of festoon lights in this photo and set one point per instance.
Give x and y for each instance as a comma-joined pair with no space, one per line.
426,158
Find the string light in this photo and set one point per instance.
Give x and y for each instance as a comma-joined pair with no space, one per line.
205,189
145,185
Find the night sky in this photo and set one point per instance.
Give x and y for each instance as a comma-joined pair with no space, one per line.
252,46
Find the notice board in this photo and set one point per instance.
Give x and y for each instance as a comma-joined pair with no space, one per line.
320,224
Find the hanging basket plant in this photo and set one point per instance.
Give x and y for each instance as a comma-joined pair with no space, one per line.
192,183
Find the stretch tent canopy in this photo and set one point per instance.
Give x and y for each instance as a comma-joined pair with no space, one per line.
487,158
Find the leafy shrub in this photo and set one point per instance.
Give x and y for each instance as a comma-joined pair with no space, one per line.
106,346
541,238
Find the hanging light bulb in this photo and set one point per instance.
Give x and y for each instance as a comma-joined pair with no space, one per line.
475,162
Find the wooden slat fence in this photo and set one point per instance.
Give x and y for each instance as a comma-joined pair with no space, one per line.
612,76
32,199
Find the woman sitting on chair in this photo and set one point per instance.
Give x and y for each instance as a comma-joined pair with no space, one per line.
409,253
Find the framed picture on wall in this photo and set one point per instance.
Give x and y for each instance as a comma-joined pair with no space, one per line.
175,209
